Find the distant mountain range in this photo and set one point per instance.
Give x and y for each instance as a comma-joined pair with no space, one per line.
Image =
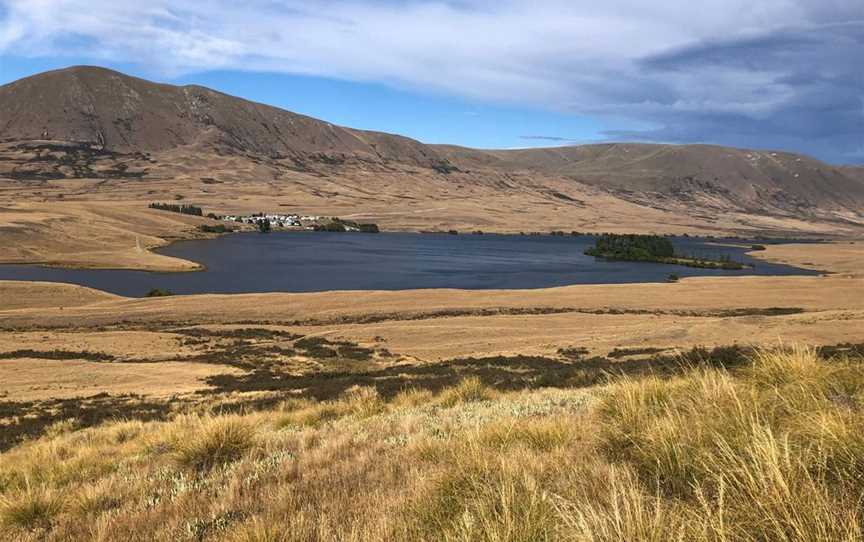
89,122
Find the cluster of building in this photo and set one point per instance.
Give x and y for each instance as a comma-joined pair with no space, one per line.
277,220
267,221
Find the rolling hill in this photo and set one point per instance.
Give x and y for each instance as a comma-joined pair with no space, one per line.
89,123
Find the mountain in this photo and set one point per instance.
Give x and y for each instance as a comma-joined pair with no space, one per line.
94,123
124,114
749,178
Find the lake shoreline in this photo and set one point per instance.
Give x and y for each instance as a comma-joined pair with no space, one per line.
250,262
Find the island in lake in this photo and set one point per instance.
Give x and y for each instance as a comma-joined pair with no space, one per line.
653,248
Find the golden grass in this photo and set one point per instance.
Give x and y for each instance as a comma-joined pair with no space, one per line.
772,451
30,508
213,441
468,390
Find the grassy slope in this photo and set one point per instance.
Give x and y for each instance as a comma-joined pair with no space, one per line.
768,451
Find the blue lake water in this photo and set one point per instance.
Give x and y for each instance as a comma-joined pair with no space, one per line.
317,261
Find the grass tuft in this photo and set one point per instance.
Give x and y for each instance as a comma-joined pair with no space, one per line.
469,390
31,509
214,441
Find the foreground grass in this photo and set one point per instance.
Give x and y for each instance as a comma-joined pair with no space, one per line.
772,450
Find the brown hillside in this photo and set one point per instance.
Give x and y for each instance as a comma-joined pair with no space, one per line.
99,141
748,178
116,112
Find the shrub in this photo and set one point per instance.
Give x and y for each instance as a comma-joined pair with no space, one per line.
331,227
263,225
185,209
218,228
316,347
57,354
368,228
625,352
159,292
573,352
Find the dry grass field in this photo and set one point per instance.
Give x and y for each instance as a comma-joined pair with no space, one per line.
760,448
590,412
106,222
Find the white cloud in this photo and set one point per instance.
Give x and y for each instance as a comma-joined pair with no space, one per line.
502,49
577,55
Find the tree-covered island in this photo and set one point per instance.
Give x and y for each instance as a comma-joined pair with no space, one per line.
652,248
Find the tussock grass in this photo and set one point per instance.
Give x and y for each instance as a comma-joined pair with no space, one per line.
213,441
259,531
470,389
360,401
769,450
412,397
30,509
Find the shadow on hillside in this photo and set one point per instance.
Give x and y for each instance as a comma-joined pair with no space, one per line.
25,419
499,372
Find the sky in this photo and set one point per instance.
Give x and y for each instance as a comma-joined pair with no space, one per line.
767,74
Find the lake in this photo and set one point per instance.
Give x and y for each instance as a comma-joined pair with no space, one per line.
318,261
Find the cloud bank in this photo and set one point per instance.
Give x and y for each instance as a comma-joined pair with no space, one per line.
763,73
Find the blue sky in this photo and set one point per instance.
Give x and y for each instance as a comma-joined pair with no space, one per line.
777,74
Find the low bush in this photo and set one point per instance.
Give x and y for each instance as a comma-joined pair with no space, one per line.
573,352
218,228
57,354
185,209
158,292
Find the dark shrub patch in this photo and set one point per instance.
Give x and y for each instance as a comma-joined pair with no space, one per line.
57,354
245,333
573,352
622,352
159,292
316,347
319,347
185,209
218,228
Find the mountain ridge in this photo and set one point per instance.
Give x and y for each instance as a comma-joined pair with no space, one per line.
122,113
92,122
